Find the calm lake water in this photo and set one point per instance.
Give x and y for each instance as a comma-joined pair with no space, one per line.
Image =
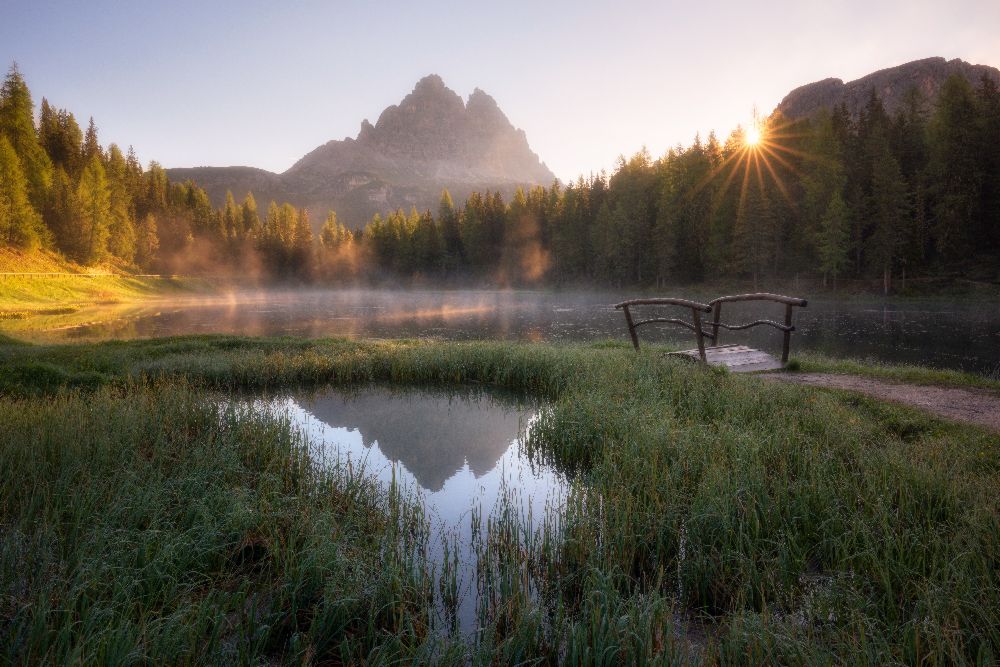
962,333
462,455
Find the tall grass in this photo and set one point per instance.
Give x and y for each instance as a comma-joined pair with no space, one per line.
713,518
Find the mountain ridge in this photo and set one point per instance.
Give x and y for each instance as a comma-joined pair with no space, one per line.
431,140
891,84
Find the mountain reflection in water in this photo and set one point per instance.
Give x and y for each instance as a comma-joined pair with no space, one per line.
433,435
457,452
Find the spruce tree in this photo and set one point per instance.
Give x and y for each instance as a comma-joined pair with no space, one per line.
956,180
147,241
250,220
91,146
121,228
95,212
17,124
833,248
20,224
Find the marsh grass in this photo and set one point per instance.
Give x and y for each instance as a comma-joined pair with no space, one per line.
713,518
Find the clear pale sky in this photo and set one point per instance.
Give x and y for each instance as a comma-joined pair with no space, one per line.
262,83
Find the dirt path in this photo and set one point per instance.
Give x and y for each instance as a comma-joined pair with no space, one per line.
965,405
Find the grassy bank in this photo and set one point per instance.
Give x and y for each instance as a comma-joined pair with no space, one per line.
42,283
715,518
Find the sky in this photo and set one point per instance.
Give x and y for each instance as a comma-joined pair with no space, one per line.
262,83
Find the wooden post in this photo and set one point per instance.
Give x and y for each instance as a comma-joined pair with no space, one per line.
697,332
788,333
631,328
715,322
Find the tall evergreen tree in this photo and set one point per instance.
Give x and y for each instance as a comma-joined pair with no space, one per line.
147,241
121,228
20,224
95,212
17,124
954,170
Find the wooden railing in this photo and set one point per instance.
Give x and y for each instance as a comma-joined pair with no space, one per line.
696,310
789,301
715,307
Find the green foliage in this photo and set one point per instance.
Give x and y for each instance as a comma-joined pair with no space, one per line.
857,198
17,124
94,197
20,225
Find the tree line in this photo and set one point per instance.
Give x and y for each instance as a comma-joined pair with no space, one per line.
872,196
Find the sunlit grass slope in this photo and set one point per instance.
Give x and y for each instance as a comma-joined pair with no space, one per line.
714,518
67,288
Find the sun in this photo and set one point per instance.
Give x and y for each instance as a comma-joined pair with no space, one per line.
753,135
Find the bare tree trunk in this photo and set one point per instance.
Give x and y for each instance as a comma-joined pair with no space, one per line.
886,280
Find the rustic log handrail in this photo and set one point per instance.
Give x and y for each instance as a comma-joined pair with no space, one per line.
787,328
696,310
715,307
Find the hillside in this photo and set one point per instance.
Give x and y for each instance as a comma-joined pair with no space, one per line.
431,140
892,85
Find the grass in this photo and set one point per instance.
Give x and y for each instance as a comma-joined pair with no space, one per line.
24,296
714,518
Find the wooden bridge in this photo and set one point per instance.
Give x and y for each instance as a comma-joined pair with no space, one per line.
738,358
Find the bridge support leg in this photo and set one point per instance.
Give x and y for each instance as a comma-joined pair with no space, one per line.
698,334
788,334
631,328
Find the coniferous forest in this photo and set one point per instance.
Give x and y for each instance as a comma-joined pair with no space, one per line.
877,198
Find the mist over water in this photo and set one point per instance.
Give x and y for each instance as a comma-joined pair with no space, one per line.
959,333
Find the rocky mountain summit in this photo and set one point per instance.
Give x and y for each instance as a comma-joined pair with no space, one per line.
892,85
431,140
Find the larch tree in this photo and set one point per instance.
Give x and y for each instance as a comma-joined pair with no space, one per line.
20,224
94,198
121,228
147,241
17,124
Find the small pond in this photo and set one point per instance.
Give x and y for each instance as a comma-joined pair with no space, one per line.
461,454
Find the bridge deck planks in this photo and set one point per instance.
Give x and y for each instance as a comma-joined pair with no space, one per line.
737,358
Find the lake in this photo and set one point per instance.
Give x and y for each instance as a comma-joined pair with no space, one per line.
959,333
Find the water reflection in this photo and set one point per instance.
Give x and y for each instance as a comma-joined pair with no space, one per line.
460,454
961,332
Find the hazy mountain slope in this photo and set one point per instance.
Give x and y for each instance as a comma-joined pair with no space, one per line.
429,141
892,85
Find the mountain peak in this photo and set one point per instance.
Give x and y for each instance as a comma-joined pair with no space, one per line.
429,141
892,85
431,82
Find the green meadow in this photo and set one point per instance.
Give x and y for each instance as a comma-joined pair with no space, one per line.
149,515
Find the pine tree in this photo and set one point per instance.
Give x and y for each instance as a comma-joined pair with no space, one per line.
91,146
250,219
95,212
833,245
121,229
302,245
62,215
232,221
147,241
889,207
20,224
956,181
17,124
451,233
